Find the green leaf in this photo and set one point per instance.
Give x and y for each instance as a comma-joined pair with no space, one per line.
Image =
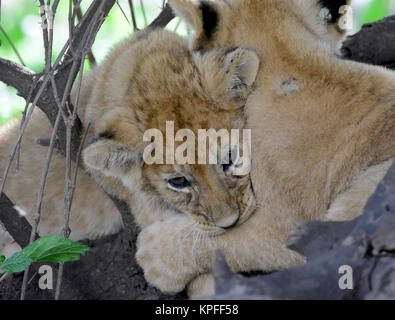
64,257
51,248
16,263
54,249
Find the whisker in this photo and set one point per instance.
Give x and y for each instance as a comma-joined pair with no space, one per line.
184,236
194,245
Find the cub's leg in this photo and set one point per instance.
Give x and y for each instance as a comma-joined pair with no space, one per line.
173,252
350,204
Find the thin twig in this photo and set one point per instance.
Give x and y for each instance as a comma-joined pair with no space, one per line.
143,12
132,13
79,158
28,116
51,18
28,100
77,10
123,12
78,13
67,205
12,45
47,23
19,138
44,27
37,210
5,275
87,42
71,20
66,231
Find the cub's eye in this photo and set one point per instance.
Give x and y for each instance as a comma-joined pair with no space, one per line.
179,183
226,166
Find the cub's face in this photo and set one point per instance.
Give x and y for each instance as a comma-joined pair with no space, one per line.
158,134
211,195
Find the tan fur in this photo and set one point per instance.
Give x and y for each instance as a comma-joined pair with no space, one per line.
91,217
350,203
161,81
145,81
322,130
319,125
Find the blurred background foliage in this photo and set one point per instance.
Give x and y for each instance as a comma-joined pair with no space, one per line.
20,23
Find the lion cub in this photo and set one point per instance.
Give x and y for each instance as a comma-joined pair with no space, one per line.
151,81
145,83
323,133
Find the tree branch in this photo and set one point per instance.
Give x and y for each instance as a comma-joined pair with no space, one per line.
16,225
374,44
16,76
19,229
164,18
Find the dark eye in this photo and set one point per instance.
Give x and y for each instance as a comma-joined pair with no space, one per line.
226,166
179,183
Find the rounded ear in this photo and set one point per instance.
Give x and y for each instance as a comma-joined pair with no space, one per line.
229,74
242,68
201,16
109,157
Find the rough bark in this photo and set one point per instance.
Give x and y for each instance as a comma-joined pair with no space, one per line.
17,226
109,270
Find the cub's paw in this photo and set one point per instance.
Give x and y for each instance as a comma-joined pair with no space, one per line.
163,256
202,286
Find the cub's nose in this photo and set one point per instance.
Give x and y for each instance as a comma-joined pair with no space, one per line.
227,222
